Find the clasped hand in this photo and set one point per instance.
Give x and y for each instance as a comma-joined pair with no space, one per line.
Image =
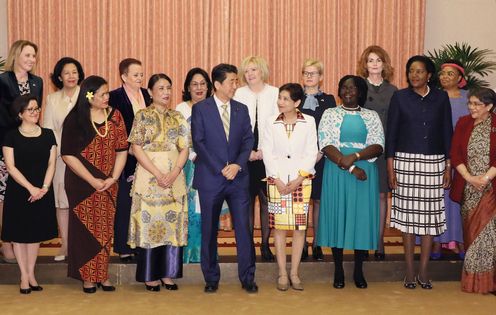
230,171
36,194
166,180
288,188
103,184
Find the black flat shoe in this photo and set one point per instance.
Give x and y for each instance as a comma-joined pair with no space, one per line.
424,285
25,291
172,287
338,283
35,287
153,288
250,287
211,287
106,288
317,253
89,290
379,256
266,253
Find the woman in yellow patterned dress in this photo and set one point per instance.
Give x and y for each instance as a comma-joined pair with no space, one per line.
159,212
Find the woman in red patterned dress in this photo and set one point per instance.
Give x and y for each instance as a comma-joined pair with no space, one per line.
94,147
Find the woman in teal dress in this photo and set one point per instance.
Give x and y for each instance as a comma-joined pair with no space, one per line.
351,138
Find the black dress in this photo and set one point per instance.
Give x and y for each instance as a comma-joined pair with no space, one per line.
325,101
23,221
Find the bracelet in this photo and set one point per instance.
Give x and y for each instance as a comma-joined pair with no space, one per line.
357,155
45,186
487,178
351,169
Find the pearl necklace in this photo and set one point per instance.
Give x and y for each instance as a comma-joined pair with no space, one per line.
375,84
29,133
106,125
351,108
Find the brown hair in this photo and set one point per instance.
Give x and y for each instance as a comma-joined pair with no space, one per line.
126,63
15,51
387,71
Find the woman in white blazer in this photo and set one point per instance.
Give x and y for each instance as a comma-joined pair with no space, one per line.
290,151
261,100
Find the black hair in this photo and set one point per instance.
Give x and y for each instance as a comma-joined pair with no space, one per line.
187,82
220,71
430,67
82,107
360,84
20,104
294,89
59,66
485,95
156,77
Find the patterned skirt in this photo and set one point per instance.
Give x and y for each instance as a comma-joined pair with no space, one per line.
289,212
418,201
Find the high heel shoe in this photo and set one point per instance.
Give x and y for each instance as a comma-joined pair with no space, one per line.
89,290
106,288
172,287
266,253
24,291
409,285
298,286
424,285
282,286
35,287
153,288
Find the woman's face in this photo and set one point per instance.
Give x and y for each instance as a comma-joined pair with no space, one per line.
134,76
311,77
100,98
374,64
253,75
198,88
26,59
449,77
69,76
161,92
285,103
418,75
478,110
349,93
31,113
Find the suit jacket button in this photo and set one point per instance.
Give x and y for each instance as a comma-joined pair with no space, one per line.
289,156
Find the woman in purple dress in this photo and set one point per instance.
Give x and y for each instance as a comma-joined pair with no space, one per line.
451,77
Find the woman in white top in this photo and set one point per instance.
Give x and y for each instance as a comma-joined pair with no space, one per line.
289,153
261,100
67,75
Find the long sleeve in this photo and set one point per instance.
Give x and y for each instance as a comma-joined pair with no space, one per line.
247,141
311,149
447,126
269,158
456,153
393,123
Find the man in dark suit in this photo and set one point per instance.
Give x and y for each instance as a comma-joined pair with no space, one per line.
222,139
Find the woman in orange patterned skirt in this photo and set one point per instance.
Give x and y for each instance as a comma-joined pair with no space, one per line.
94,147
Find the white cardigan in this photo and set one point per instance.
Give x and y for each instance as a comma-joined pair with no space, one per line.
284,157
267,105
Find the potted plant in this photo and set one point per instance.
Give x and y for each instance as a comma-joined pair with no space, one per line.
478,63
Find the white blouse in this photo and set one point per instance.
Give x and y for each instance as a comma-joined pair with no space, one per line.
267,105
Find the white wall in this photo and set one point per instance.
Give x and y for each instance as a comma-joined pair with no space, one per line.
3,29
471,21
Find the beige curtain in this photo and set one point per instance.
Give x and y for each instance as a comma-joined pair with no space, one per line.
173,36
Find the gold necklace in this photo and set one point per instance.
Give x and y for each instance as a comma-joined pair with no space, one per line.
106,125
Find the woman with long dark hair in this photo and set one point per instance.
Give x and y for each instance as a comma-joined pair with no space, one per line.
94,147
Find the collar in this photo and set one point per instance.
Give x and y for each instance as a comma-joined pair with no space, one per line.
299,118
219,103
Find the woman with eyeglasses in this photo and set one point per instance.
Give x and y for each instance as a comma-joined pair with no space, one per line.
314,103
473,154
29,217
197,87
418,141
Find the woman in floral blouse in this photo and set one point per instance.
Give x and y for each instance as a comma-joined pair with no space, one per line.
159,212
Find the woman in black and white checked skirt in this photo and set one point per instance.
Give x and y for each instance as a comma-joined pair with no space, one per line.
418,142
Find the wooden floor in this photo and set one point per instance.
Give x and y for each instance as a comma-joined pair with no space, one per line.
379,298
